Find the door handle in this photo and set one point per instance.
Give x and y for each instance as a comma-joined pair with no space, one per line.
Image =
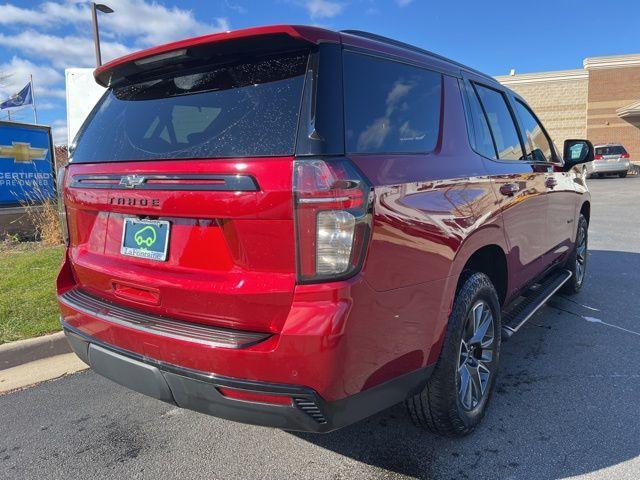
550,182
509,189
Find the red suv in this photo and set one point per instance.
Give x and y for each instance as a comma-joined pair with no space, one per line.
295,227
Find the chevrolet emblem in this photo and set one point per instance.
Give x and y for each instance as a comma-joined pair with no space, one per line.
22,152
132,181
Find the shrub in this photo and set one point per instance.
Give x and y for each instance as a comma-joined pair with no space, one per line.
45,221
42,213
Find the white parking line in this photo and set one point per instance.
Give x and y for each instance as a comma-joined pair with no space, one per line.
590,319
581,304
597,320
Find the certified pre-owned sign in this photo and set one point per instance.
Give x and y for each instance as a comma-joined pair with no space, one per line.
26,164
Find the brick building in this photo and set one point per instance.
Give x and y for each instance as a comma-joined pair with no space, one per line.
600,102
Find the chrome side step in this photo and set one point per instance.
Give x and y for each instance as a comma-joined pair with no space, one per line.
515,318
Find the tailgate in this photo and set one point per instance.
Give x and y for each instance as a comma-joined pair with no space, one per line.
230,252
200,147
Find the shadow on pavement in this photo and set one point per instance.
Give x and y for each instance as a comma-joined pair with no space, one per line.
566,401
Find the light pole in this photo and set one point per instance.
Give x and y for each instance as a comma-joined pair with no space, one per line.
96,36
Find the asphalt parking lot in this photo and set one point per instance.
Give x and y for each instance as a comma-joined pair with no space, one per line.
566,405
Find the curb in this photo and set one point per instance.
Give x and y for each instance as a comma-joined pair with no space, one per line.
23,351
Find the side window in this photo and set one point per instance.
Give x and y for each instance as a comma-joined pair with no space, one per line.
390,107
501,122
536,142
481,133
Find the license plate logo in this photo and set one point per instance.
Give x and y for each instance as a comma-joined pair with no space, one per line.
145,238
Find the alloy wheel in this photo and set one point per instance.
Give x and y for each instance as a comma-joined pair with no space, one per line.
477,349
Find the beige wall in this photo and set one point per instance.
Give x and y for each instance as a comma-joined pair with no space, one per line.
561,104
582,103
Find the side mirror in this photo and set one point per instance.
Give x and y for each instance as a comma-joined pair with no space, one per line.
577,152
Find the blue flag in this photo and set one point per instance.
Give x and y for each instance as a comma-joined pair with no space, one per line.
23,97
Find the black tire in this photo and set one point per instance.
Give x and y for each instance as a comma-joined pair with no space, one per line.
577,261
622,175
439,407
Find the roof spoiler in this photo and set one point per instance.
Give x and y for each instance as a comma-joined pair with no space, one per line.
176,54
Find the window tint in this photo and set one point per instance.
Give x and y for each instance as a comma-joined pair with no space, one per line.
613,150
481,133
247,109
390,107
501,123
538,148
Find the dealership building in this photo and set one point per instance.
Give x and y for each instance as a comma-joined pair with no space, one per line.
600,101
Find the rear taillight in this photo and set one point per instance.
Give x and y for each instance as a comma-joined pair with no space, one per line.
333,218
62,211
597,157
624,155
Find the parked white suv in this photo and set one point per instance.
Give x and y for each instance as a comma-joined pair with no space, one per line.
611,158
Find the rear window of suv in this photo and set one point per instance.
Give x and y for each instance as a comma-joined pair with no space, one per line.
246,109
612,150
390,107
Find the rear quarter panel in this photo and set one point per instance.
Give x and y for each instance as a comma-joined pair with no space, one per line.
431,213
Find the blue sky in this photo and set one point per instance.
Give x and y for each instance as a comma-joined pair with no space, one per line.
45,37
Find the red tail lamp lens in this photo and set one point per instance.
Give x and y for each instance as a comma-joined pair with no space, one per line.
333,218
258,397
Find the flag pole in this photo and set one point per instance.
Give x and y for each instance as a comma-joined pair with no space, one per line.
33,98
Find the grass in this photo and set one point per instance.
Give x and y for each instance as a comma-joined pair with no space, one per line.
28,305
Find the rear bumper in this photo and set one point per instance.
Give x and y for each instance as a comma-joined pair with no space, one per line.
607,167
199,391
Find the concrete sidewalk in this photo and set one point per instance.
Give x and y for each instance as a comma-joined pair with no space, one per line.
32,373
27,362
19,352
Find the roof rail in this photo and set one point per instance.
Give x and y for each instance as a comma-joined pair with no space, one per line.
413,48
